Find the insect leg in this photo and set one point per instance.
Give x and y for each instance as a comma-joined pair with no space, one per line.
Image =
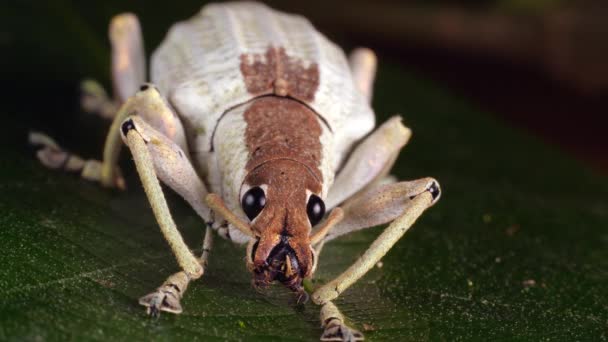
150,105
363,67
128,56
128,72
336,215
413,205
95,100
410,200
128,68
169,163
143,145
335,329
379,205
53,156
107,172
361,203
216,204
167,297
370,161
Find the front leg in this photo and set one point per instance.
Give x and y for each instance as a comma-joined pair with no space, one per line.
155,155
142,147
168,296
335,328
411,203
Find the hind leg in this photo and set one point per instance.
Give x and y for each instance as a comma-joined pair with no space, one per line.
363,67
128,68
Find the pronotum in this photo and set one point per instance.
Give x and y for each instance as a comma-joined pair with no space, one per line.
262,125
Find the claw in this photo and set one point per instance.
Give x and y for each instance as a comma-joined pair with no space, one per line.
94,99
302,297
153,312
338,331
161,300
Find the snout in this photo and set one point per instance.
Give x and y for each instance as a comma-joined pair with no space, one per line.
281,265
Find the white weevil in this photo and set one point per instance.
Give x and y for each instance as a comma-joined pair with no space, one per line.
259,108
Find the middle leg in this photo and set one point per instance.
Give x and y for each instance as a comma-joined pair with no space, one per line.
363,67
370,161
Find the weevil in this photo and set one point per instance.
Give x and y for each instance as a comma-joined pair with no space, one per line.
265,128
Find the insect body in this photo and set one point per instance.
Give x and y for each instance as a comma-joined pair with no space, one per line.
258,121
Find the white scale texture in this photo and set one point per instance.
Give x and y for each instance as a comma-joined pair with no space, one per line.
198,68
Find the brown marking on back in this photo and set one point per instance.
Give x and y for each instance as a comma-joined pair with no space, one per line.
277,73
279,128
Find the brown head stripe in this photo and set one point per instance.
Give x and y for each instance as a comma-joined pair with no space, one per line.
283,140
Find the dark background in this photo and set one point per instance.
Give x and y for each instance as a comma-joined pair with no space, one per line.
506,100
539,65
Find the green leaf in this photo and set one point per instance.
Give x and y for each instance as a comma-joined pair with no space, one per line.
517,248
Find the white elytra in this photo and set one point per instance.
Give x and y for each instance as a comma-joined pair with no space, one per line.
198,68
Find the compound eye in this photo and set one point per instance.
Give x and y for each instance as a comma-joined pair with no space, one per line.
315,209
253,202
